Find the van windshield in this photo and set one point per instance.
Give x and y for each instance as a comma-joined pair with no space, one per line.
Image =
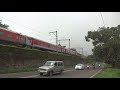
79,64
49,64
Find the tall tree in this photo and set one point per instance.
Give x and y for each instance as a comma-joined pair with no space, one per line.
106,42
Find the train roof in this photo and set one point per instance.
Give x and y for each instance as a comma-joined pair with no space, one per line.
30,37
10,30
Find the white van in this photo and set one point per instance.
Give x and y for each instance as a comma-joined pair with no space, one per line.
51,67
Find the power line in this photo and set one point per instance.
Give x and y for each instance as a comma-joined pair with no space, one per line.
56,35
66,40
102,19
23,26
12,22
27,28
39,31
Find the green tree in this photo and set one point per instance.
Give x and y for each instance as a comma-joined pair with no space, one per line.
4,25
90,59
106,42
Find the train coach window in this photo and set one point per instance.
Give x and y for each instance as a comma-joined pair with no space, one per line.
22,38
42,44
48,45
1,33
9,35
17,37
39,43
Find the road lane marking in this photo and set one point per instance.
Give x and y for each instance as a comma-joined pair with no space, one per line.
96,73
38,75
68,70
30,76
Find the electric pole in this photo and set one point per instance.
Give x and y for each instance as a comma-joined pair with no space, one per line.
85,52
66,40
82,50
69,44
56,38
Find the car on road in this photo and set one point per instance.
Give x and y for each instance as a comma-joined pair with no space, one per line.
79,66
51,67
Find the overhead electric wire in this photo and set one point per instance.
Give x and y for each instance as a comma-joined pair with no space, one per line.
23,26
102,19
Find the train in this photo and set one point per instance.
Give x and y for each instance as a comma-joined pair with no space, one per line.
9,37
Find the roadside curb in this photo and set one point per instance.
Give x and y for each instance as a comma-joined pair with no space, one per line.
96,73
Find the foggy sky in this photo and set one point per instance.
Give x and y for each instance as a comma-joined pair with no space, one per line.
70,25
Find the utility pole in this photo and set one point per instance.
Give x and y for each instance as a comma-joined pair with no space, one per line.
56,38
69,44
82,50
85,52
66,40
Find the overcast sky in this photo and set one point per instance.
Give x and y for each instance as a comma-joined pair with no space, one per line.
70,25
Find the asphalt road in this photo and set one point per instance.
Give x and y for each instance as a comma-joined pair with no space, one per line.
68,73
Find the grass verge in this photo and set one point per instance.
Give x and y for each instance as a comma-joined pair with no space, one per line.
109,72
21,69
15,70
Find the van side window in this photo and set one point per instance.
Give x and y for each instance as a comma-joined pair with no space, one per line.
55,64
59,64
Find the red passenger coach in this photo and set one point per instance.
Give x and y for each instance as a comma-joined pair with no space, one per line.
53,47
22,39
2,34
59,48
62,50
29,41
41,44
9,37
66,51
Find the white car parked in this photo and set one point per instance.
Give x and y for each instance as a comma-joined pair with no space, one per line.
79,66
